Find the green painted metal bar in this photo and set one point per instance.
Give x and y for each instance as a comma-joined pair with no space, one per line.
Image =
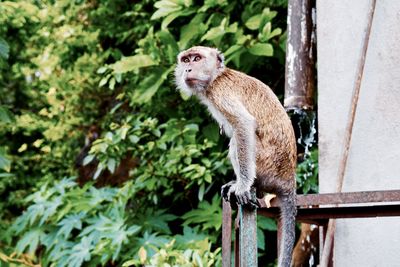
247,237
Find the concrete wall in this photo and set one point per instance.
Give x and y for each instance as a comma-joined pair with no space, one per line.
374,158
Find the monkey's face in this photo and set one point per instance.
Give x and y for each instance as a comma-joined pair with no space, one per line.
197,68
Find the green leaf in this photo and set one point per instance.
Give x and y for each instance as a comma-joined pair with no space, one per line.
49,209
80,252
171,17
111,163
208,215
195,28
104,80
274,33
261,49
164,8
89,158
170,44
6,175
132,63
123,131
118,77
112,84
101,70
200,195
214,33
156,220
70,222
232,28
5,163
4,49
30,239
5,115
130,263
254,22
212,3
150,86
98,171
192,127
134,139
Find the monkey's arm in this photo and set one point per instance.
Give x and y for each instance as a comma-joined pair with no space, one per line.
242,150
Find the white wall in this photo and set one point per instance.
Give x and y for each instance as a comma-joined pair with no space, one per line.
374,158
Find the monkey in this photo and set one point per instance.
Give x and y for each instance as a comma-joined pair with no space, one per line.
262,146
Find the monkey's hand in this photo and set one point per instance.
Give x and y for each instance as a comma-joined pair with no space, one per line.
228,196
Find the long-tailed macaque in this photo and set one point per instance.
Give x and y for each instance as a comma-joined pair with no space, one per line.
262,146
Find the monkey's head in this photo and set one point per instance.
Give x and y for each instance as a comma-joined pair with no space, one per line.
197,68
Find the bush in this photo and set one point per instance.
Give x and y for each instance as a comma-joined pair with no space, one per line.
68,67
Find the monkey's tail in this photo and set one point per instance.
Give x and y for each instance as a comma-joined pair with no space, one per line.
288,219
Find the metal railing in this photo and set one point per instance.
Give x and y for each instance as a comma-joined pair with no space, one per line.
314,209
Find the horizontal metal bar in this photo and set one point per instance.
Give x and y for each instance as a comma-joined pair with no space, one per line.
341,198
321,215
350,212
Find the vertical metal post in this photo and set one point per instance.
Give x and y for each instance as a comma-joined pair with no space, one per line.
322,232
300,53
226,233
278,235
237,234
247,237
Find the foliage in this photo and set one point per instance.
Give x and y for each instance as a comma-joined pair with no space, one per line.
69,66
84,224
307,173
190,253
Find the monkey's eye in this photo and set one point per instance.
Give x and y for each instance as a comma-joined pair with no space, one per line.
197,58
185,60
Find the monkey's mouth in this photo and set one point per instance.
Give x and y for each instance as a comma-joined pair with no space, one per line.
193,81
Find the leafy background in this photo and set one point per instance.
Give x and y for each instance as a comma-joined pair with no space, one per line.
102,161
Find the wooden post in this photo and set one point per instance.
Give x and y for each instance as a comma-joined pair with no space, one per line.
247,237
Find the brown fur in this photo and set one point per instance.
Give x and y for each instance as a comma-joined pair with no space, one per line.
276,146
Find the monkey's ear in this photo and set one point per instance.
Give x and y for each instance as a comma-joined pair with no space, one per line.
220,59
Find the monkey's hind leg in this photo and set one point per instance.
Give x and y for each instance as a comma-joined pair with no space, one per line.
229,195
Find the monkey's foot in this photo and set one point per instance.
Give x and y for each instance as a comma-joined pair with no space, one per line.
247,199
267,199
237,197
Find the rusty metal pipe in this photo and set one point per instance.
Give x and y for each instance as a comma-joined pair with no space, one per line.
300,55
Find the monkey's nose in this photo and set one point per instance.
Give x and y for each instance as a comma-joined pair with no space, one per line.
188,70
